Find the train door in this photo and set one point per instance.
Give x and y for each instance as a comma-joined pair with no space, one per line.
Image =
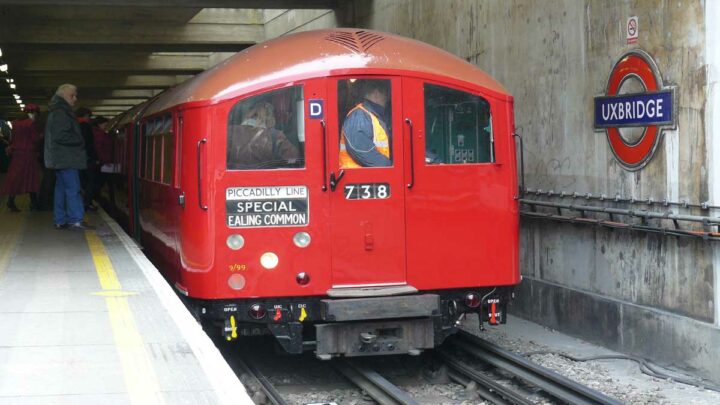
462,195
366,182
194,145
177,205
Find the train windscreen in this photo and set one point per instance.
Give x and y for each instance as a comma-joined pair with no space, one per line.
458,127
267,132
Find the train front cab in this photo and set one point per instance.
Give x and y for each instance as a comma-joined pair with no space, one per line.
365,260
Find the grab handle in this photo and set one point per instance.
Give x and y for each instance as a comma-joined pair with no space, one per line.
324,152
522,165
412,154
199,175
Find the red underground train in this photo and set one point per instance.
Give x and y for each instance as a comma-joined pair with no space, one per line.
240,186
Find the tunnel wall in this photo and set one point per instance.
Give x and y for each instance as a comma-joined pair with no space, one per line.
646,294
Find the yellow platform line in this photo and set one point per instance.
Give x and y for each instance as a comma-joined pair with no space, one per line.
10,233
138,370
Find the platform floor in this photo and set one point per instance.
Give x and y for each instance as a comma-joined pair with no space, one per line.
86,319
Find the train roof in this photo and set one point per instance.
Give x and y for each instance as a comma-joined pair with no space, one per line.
316,54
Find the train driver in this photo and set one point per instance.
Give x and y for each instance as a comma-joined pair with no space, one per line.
365,139
257,144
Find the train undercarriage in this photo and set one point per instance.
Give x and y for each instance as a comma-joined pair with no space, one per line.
357,326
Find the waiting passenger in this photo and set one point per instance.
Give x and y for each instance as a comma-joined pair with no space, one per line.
24,171
256,144
65,152
365,138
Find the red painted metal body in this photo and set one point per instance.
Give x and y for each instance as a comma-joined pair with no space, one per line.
445,226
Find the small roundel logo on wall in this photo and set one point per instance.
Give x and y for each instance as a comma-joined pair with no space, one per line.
635,109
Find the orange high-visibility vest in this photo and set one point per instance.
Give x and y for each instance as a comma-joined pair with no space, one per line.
380,139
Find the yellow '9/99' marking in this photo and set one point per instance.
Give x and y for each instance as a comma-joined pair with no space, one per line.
138,370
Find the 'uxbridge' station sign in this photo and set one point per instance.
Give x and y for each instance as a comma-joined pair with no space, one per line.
652,109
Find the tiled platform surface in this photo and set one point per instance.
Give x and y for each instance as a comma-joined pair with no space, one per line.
86,319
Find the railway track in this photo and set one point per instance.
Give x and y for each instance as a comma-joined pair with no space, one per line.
550,382
376,386
263,392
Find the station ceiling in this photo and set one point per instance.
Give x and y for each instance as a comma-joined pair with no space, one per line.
120,53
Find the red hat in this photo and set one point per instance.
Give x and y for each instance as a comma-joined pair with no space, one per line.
32,107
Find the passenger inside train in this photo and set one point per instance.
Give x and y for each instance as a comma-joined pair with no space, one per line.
257,140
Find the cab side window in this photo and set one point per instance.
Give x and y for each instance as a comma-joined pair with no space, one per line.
364,107
267,131
458,127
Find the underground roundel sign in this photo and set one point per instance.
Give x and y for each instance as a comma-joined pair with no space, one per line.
634,110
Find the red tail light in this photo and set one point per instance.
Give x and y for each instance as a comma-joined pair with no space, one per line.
257,311
472,300
302,278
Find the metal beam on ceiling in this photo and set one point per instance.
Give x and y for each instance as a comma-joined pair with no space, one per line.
122,52
257,4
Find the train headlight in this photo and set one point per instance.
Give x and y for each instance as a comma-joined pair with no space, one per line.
303,278
257,311
301,239
236,281
269,260
472,300
235,241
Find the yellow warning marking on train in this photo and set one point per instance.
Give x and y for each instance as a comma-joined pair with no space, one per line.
233,328
10,232
303,314
140,378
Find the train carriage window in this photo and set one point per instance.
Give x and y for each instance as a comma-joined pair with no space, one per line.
147,151
168,149
366,132
458,127
266,131
157,159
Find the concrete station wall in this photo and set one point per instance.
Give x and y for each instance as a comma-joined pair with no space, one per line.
638,293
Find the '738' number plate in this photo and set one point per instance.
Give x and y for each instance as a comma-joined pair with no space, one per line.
370,191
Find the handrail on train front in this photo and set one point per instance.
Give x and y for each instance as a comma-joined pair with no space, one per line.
199,175
324,152
412,154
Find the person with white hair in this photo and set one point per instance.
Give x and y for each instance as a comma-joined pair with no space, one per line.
65,153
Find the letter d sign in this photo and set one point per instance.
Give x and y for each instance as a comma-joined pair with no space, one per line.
316,109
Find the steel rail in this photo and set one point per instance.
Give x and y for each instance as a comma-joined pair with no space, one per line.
549,381
482,391
381,390
272,394
494,392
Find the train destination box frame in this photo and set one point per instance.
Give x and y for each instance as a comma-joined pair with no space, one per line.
267,206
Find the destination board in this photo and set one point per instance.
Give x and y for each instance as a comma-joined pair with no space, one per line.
267,206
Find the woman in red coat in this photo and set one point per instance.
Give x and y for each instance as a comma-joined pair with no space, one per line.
23,174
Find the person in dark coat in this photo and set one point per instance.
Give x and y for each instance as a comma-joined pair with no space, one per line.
87,176
65,152
4,143
24,171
